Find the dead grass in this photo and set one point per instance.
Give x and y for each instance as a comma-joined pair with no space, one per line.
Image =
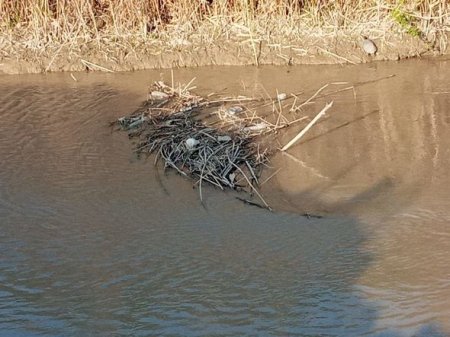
42,25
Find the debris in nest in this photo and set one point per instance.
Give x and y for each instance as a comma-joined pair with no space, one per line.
256,127
282,96
223,138
159,95
191,143
235,110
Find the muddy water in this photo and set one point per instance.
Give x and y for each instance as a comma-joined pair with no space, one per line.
96,242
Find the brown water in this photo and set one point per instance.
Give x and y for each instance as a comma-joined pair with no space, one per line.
94,242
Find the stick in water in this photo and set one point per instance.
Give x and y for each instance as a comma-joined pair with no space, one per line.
302,133
95,66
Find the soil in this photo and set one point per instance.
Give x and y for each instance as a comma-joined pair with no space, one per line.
17,59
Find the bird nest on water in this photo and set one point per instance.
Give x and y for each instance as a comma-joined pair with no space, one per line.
215,140
208,140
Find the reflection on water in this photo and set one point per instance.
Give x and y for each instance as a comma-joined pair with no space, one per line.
95,242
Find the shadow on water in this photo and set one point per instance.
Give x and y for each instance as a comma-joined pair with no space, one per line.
91,244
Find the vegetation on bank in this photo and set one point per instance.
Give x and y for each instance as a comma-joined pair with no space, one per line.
176,24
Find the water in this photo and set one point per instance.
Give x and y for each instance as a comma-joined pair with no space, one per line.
95,242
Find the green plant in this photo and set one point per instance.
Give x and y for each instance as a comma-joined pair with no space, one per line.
405,21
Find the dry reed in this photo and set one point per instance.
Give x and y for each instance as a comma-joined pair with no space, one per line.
42,24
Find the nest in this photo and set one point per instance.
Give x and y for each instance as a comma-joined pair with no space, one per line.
218,141
223,152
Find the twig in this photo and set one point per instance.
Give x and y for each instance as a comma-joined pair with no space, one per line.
251,203
311,98
301,133
95,66
336,55
53,58
186,87
271,176
293,122
252,187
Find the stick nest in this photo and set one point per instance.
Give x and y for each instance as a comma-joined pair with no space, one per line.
173,124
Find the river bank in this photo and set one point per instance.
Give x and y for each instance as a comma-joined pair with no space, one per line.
19,60
109,36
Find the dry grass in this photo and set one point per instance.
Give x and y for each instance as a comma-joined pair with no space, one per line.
174,24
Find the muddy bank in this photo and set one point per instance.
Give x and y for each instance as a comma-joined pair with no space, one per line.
18,57
130,35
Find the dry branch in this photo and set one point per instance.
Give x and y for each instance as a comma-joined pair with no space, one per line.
309,126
